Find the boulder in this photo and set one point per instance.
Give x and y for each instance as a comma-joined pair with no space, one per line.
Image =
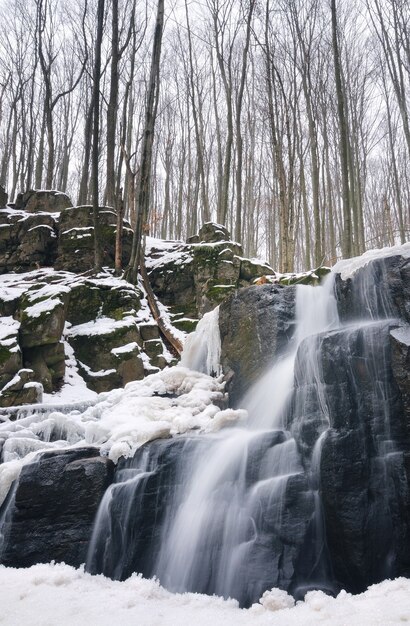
38,200
380,289
364,467
27,240
41,320
10,353
90,299
76,238
107,352
55,504
22,389
256,324
210,232
48,364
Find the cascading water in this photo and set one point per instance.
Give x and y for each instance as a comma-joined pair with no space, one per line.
247,509
219,527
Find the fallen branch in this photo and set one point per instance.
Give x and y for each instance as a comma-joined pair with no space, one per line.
163,325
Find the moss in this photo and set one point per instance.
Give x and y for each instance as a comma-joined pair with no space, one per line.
218,293
5,354
185,324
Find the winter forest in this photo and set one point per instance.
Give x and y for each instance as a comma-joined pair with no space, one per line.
287,121
205,312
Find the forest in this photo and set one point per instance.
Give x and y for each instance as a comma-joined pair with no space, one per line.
285,120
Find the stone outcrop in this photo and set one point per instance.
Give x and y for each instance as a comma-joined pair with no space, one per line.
195,277
42,201
50,313
256,325
53,508
76,238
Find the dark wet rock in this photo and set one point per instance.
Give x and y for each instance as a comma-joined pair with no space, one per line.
55,504
256,324
364,471
380,289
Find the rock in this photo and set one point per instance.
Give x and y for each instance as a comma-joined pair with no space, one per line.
48,201
363,469
55,505
42,320
256,324
27,240
4,197
149,331
10,353
380,289
48,364
21,390
107,352
92,298
193,279
76,238
210,232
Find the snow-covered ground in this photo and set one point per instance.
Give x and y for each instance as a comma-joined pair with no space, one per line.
59,595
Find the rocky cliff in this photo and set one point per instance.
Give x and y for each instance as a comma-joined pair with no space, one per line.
58,323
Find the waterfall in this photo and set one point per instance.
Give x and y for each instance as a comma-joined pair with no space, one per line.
217,528
240,511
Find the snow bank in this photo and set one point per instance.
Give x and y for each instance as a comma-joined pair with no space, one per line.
51,594
347,267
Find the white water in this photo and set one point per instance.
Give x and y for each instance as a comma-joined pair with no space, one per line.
212,531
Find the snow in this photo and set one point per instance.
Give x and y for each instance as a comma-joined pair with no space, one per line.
9,328
45,306
346,268
101,326
48,594
168,403
126,349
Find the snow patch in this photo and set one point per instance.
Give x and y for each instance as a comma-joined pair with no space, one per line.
347,267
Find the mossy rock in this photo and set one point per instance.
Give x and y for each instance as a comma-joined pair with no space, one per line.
95,350
212,232
149,331
39,200
217,293
42,321
21,390
48,364
250,270
10,357
84,303
314,277
153,347
186,324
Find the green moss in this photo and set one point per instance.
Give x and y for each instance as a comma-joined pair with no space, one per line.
5,354
218,293
185,324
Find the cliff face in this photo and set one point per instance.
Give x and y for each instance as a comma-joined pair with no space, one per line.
49,308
